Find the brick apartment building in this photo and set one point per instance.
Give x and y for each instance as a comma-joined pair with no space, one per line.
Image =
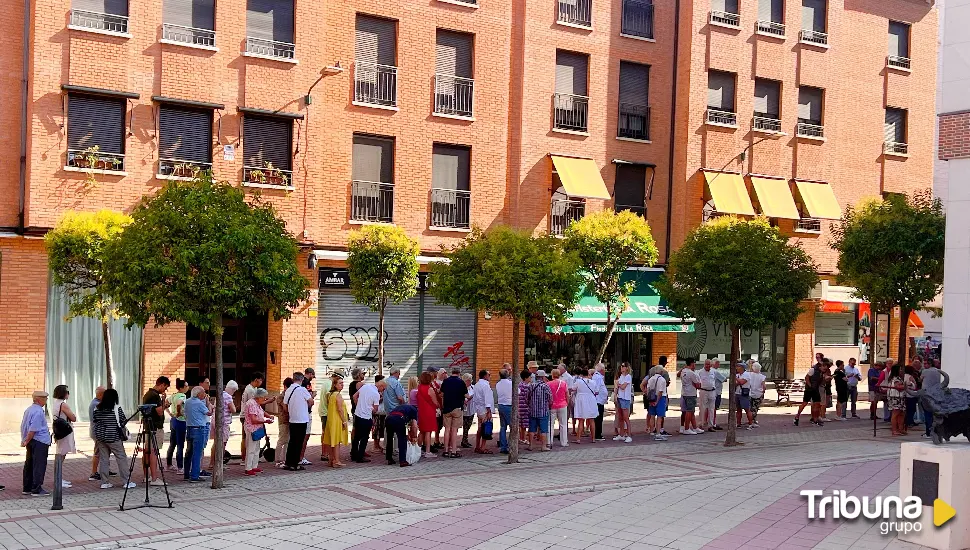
439,116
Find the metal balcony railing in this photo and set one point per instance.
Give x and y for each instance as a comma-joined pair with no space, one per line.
451,208
725,18
805,129
563,213
637,18
181,168
634,121
576,12
453,95
375,84
898,62
721,118
95,160
766,124
813,37
93,20
639,210
264,175
189,35
270,48
895,148
571,112
770,27
372,201
809,225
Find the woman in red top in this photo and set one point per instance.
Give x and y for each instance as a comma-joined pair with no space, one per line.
427,413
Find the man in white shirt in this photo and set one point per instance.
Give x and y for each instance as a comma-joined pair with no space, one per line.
656,407
853,376
719,380
689,383
368,397
503,392
297,401
602,395
706,397
483,402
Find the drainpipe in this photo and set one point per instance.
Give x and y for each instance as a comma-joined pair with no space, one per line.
673,132
21,217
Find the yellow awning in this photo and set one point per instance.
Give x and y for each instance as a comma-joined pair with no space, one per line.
729,193
580,177
775,198
819,200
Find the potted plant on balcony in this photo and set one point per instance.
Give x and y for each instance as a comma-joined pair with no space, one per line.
184,170
275,176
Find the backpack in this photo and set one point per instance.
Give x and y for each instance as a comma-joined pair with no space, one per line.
652,389
815,380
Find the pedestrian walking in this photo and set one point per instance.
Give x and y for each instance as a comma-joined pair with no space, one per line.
368,399
65,445
336,433
540,403
177,427
427,412
841,379
689,384
586,409
853,376
254,429
283,437
742,395
467,411
297,402
402,422
624,400
110,434
503,393
757,383
560,406
483,402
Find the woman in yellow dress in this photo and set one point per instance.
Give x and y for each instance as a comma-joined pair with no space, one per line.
335,433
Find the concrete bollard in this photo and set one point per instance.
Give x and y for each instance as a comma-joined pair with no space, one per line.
58,482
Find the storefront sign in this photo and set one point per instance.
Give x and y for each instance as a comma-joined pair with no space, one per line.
621,328
339,278
865,334
645,304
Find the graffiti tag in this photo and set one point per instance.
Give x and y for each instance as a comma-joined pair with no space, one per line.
458,357
350,343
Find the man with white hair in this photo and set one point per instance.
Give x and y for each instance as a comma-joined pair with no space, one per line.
394,396
757,391
297,401
36,438
706,397
602,395
719,380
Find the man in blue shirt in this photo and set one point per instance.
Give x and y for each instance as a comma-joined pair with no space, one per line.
402,421
394,397
197,413
36,437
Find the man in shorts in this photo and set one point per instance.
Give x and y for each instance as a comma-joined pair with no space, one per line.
813,392
454,391
656,409
689,384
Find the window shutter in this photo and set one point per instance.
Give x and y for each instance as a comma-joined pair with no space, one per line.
571,72
630,186
96,121
113,7
634,83
720,90
190,13
896,125
453,54
375,40
813,15
267,139
898,39
771,10
727,6
450,167
373,159
766,97
810,105
270,20
185,134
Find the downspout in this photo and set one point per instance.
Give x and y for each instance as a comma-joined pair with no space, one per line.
673,132
22,191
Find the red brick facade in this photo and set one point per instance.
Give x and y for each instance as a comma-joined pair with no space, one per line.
954,136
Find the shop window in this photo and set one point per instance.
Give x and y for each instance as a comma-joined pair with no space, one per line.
836,328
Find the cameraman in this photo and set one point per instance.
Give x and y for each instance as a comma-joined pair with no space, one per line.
155,397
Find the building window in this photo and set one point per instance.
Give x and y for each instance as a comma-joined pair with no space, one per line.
837,328
450,186
564,209
95,132
576,12
814,29
637,18
570,102
453,84
634,108
372,189
106,16
767,117
898,45
269,29
375,65
720,99
268,151
725,13
810,112
629,189
189,22
184,141
771,17
895,143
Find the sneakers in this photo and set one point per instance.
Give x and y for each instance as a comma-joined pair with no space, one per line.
628,439
663,432
658,437
856,416
180,471
204,473
748,427
796,421
171,469
157,482
718,428
926,436
695,432
106,485
430,455
129,485
682,431
94,477
41,493
618,438
66,484
305,462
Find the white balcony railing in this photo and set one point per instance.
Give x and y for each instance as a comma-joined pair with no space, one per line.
563,213
897,62
270,48
571,112
770,125
721,118
807,130
189,35
372,201
375,84
576,12
808,225
97,21
89,159
181,168
770,28
813,37
453,95
895,148
725,19
451,208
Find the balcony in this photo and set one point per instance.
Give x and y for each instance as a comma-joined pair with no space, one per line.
766,125
815,38
808,130
639,210
375,85
571,112
578,13
372,201
267,176
563,213
725,19
271,49
99,22
716,117
451,208
453,96
895,148
897,62
637,20
808,225
188,35
770,28
634,122
172,168
93,159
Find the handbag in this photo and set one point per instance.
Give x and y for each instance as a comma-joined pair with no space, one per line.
651,392
123,432
267,452
259,434
413,453
487,430
61,427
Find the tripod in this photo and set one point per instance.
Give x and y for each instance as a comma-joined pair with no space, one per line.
146,437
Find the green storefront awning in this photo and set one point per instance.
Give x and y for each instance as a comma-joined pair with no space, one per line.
646,312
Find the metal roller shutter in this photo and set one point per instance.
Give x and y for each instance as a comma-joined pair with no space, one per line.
185,134
270,20
375,40
267,139
898,39
448,338
571,72
813,15
373,159
895,125
634,83
809,105
450,168
631,184
199,14
720,90
113,7
96,121
453,54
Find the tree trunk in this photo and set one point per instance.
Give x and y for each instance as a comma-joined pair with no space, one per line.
610,326
218,444
108,359
514,427
380,343
731,435
903,336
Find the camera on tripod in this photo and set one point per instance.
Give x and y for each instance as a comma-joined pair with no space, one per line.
146,410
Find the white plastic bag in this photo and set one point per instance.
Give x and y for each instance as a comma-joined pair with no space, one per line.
414,453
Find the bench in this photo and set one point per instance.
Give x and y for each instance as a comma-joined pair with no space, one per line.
786,388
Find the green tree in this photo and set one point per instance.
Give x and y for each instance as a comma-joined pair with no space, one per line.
743,273
76,257
608,243
196,252
891,251
512,274
383,265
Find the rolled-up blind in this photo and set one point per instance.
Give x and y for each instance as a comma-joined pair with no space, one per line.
199,14
375,40
571,72
771,10
268,140
373,159
898,39
96,121
270,20
113,7
727,6
450,167
766,97
895,125
185,134
453,54
720,90
809,105
813,15
634,83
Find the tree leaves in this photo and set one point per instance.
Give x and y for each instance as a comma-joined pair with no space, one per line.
383,265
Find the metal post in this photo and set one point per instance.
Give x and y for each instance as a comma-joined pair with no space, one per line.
58,482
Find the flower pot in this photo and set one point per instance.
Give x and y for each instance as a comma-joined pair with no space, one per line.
275,179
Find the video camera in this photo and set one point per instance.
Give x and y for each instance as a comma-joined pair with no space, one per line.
146,409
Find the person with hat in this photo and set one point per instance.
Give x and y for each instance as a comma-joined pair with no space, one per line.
540,403
36,437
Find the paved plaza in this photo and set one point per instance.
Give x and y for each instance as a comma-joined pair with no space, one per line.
686,493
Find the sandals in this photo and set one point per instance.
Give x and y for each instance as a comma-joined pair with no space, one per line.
486,452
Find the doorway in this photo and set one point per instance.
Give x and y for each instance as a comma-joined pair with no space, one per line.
244,343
